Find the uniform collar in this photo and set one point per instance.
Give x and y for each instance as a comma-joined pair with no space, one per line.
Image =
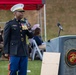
17,20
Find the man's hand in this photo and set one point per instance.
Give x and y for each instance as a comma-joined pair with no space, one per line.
6,55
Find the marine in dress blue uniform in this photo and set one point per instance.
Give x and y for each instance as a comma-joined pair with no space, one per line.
15,46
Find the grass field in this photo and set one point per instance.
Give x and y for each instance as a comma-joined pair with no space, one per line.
34,66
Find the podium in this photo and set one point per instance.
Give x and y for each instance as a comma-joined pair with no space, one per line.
66,45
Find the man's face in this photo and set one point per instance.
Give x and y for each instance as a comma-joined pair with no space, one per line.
19,14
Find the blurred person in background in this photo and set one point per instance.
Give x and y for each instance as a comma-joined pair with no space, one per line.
1,42
37,36
2,46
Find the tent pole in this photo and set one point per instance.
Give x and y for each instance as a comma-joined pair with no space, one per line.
41,21
45,22
38,17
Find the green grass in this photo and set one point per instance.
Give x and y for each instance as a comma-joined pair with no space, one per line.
34,66
3,67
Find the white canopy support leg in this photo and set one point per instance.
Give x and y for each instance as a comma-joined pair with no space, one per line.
40,19
45,22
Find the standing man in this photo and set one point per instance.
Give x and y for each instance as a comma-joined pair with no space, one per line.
15,46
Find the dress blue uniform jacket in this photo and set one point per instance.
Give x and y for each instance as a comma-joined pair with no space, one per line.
15,38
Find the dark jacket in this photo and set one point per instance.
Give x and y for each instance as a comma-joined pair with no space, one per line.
38,40
15,38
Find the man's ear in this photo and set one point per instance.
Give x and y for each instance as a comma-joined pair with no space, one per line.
14,12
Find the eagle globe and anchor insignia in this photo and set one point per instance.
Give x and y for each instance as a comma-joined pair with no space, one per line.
71,58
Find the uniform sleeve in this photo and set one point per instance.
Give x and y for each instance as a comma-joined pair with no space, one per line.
6,38
29,34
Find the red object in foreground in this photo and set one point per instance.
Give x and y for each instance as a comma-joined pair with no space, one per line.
29,4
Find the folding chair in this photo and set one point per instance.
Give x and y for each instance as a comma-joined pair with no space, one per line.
35,49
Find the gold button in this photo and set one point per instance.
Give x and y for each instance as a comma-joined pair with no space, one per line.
16,20
19,22
20,26
21,34
20,30
22,39
12,43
